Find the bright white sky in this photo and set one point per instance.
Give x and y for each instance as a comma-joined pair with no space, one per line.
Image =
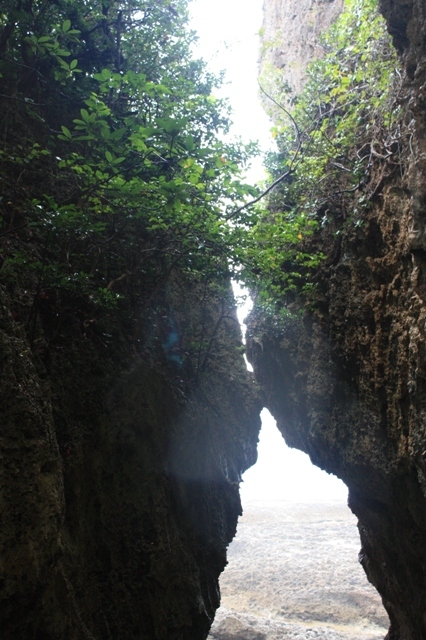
228,40
286,474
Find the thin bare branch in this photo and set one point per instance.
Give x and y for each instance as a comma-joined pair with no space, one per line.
262,195
280,106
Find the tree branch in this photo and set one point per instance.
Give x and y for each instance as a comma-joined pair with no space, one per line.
262,195
288,114
282,177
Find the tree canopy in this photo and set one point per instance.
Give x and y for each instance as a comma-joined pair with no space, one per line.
114,162
113,146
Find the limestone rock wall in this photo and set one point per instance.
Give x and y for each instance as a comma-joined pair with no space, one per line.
347,381
290,38
119,476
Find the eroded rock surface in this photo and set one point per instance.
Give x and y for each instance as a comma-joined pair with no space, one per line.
291,33
346,382
119,480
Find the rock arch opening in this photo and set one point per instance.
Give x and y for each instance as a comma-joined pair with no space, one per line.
293,568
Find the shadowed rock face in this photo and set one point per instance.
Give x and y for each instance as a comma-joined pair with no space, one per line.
347,382
119,476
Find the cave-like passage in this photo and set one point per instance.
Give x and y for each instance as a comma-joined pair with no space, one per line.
293,567
294,560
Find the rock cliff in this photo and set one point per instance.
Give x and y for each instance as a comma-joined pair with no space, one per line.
119,478
346,380
127,413
290,38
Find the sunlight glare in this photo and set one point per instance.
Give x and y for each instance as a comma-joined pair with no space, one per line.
285,474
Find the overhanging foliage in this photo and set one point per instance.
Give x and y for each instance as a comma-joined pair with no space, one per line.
329,137
113,156
114,168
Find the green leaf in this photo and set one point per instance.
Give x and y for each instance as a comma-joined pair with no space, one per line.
118,133
66,132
